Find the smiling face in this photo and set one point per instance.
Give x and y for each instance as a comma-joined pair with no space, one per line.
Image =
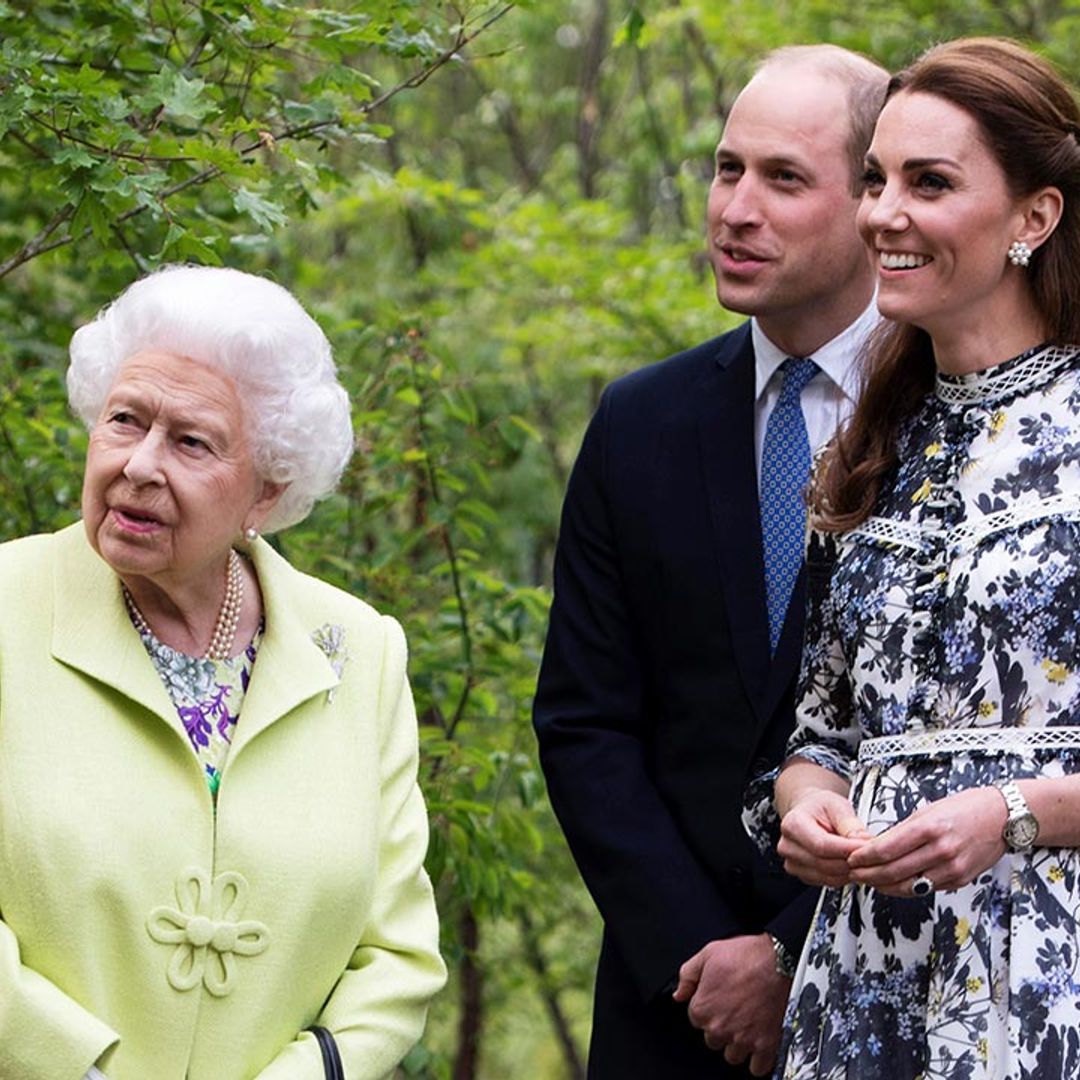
170,482
781,215
938,217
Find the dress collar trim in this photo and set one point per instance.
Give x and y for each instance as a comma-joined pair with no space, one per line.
1028,371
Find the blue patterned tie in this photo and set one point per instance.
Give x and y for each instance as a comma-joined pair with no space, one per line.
785,468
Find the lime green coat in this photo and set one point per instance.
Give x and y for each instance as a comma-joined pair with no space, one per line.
143,932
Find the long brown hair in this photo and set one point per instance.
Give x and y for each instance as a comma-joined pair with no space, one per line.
1030,122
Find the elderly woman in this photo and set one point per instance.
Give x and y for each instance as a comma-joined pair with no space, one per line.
211,835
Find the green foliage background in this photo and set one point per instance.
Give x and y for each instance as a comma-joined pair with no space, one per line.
492,209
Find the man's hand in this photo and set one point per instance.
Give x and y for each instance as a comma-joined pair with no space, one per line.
737,997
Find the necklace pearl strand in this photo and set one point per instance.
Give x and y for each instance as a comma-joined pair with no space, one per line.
228,617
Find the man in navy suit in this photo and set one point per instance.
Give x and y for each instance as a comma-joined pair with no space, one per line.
664,684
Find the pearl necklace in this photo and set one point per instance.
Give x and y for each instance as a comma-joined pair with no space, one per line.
228,617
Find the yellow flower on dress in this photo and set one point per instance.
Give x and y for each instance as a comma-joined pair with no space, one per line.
923,493
974,984
962,930
933,450
987,708
1056,672
1055,873
997,423
206,931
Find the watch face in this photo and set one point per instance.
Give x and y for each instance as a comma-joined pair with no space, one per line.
1020,833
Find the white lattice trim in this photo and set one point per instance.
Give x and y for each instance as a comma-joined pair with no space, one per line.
969,534
1064,507
903,534
989,385
968,740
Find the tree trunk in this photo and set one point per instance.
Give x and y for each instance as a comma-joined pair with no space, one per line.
575,1069
470,1026
590,111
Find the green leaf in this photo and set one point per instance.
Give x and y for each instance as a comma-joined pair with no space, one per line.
265,213
76,157
630,31
319,111
198,249
91,214
181,96
14,102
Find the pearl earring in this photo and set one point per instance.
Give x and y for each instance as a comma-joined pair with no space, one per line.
251,534
1019,253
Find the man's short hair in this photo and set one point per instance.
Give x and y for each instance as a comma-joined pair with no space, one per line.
865,81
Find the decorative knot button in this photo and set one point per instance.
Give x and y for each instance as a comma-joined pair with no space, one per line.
207,931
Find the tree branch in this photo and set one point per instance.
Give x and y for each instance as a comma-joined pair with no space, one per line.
510,124
104,151
452,558
549,992
40,244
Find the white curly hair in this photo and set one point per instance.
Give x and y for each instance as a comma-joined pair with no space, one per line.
255,332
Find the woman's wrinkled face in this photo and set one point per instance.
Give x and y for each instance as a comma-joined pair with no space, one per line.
170,481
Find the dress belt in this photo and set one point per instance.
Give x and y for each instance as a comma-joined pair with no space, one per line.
1012,740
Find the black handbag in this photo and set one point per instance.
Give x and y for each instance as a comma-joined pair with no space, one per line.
331,1059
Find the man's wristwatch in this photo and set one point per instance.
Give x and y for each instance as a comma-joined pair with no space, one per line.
785,962
1021,826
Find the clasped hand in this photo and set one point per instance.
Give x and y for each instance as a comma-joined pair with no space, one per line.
736,998
950,841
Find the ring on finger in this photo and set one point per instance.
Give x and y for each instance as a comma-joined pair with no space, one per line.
922,886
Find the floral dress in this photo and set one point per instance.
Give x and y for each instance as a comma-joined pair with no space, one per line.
207,695
943,653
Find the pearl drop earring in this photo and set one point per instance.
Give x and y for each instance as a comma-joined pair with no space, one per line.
251,534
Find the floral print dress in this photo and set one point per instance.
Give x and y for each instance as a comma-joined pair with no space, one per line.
207,695
943,653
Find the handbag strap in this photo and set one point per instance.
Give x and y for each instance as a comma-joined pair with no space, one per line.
331,1059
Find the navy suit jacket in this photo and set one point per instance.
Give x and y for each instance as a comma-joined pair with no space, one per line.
657,696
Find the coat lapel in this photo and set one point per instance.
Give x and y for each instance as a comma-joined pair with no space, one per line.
290,668
92,631
726,438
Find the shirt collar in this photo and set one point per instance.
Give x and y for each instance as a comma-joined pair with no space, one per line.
837,358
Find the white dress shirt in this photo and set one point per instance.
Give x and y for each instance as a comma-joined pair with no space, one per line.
829,397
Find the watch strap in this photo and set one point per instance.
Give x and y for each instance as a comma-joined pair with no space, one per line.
1017,808
785,962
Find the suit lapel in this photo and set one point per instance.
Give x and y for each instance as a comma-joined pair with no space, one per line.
729,463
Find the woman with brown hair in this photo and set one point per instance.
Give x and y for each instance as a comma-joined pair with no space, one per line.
933,780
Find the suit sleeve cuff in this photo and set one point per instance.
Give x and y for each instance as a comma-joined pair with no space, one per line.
792,924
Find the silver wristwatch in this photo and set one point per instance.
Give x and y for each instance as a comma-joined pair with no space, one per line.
1021,826
785,962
